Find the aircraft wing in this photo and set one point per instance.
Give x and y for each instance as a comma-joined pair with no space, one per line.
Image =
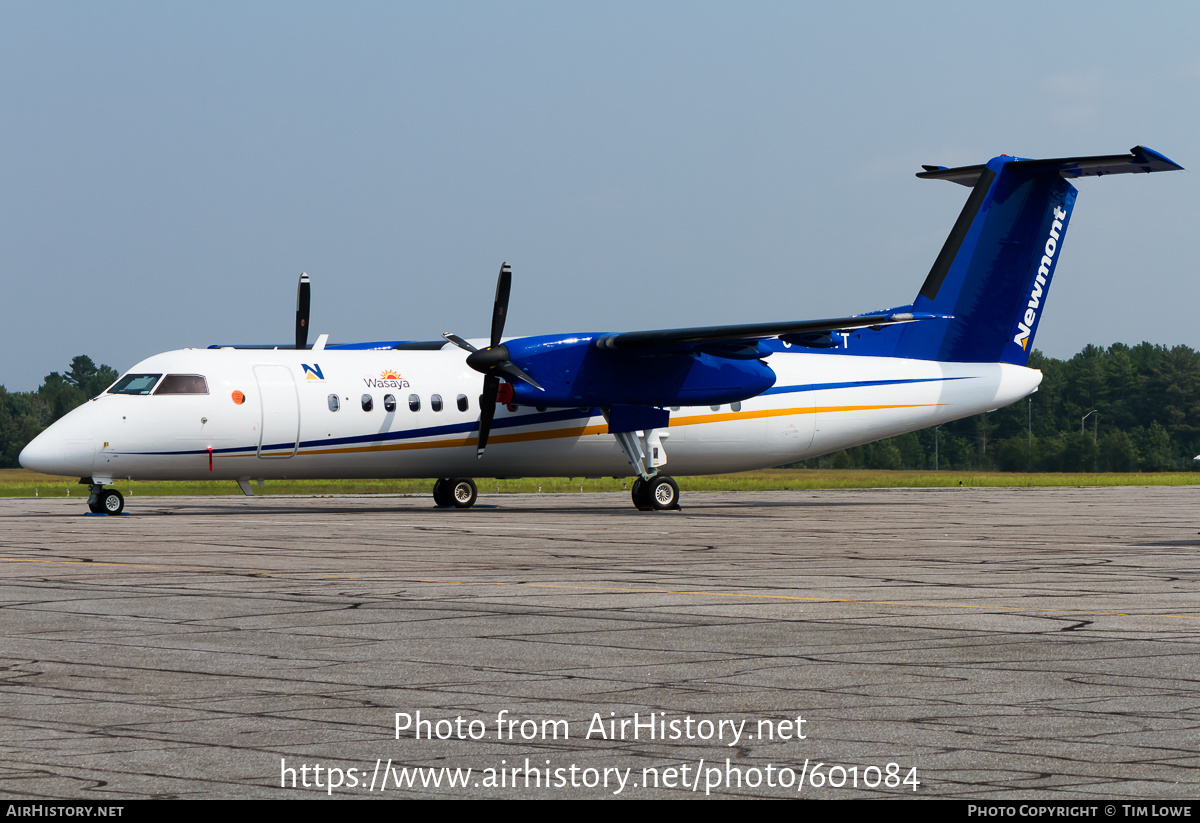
795,331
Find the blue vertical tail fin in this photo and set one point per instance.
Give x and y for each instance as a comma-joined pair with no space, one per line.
994,271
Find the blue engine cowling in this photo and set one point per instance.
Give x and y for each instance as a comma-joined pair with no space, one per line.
574,372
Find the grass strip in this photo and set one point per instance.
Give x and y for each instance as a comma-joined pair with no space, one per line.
21,483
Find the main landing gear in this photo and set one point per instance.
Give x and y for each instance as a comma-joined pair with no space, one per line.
105,501
459,492
659,493
656,494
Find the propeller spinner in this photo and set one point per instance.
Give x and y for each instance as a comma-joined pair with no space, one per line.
494,361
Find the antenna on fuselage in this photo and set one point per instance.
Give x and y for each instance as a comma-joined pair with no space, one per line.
303,294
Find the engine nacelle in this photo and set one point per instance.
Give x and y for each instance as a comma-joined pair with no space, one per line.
574,372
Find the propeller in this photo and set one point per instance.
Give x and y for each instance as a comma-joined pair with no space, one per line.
494,361
303,292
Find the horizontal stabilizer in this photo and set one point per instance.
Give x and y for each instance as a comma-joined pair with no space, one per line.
1140,159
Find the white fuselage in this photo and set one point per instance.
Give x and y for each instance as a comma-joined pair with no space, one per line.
285,425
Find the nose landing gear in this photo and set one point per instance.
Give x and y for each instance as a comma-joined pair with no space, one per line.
105,501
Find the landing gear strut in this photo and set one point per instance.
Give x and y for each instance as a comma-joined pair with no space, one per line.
656,494
105,501
459,492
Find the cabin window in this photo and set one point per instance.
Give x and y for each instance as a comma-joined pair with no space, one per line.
389,402
135,384
435,402
736,405
334,405
462,402
674,408
368,402
182,384
414,402
715,408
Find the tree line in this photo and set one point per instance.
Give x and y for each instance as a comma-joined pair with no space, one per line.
1120,409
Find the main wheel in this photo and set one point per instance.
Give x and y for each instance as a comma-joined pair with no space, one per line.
443,493
662,492
112,502
641,498
95,506
463,491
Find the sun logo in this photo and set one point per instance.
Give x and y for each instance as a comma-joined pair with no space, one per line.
388,374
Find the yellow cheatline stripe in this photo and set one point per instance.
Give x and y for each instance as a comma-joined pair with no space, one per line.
525,437
907,603
724,416
581,431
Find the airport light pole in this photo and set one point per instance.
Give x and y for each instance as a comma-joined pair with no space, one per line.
1085,417
935,445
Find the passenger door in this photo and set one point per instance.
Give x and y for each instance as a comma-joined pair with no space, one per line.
279,434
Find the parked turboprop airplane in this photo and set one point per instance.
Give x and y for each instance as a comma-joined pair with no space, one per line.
702,400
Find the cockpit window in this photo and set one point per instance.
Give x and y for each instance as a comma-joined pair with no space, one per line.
134,384
182,384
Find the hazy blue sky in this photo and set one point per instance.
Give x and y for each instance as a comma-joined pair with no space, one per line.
168,170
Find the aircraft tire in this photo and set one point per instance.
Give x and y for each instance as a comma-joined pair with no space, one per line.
96,507
662,493
111,502
462,492
443,493
640,498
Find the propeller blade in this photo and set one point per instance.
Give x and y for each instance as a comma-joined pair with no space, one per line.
487,410
500,309
458,341
303,292
513,370
494,360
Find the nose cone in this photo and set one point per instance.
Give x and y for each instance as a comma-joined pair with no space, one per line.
66,448
43,453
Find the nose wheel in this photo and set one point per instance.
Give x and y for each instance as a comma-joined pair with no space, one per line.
106,501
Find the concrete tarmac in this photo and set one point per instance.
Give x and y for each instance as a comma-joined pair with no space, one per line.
951,643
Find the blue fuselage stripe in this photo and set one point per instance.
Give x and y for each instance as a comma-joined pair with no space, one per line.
856,384
556,416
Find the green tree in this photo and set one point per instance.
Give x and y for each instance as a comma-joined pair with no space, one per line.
88,377
1154,446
